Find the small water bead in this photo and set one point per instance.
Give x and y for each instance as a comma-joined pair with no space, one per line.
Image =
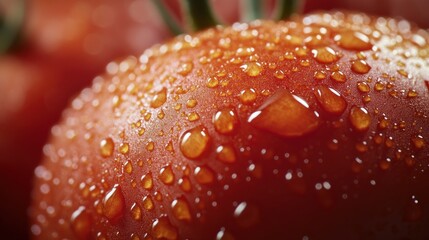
363,87
204,175
330,100
338,76
136,212
304,62
418,142
285,114
246,214
379,86
180,208
194,142
212,82
412,93
279,74
114,203
128,167
124,148
147,181
319,75
162,229
185,184
352,40
147,203
225,121
248,96
252,69
159,99
383,123
166,175
226,153
150,146
185,68
359,118
81,223
325,55
193,116
360,66
191,103
106,147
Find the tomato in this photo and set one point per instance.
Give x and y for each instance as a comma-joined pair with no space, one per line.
312,128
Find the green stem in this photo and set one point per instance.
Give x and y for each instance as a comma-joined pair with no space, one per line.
11,25
285,8
251,10
199,15
168,19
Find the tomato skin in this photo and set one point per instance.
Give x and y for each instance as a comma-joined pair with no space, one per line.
162,122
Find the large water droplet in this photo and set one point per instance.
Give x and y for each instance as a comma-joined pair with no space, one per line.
106,147
180,208
162,229
81,223
325,55
285,114
114,203
159,99
247,96
226,153
166,175
194,142
225,121
352,40
359,118
330,100
204,175
147,181
360,66
252,69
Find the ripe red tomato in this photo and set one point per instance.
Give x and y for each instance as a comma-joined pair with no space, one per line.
313,128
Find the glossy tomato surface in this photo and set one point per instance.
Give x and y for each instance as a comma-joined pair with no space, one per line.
316,127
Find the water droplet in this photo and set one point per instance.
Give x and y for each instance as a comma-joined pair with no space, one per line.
412,93
185,184
185,68
363,87
285,114
225,121
106,147
124,148
359,118
128,167
338,76
150,146
360,66
162,229
81,223
352,40
246,214
325,55
159,99
193,116
385,163
147,181
379,86
252,69
319,75
114,203
248,96
194,142
136,212
212,82
204,175
191,103
166,175
224,235
180,208
148,203
330,100
418,142
226,153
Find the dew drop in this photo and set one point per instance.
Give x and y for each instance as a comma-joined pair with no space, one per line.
81,223
379,86
418,142
360,66
248,96
226,153
412,93
225,121
325,55
330,100
106,147
166,175
162,229
180,208
319,75
124,148
252,69
185,68
204,175
128,167
363,87
194,142
136,212
193,116
150,146
246,214
159,99
185,184
285,114
148,203
338,76
359,118
147,181
352,40
114,203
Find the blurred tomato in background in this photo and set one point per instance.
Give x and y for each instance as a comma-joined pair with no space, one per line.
63,45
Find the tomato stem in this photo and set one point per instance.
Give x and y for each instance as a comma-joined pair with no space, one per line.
167,17
251,10
11,23
199,15
285,8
